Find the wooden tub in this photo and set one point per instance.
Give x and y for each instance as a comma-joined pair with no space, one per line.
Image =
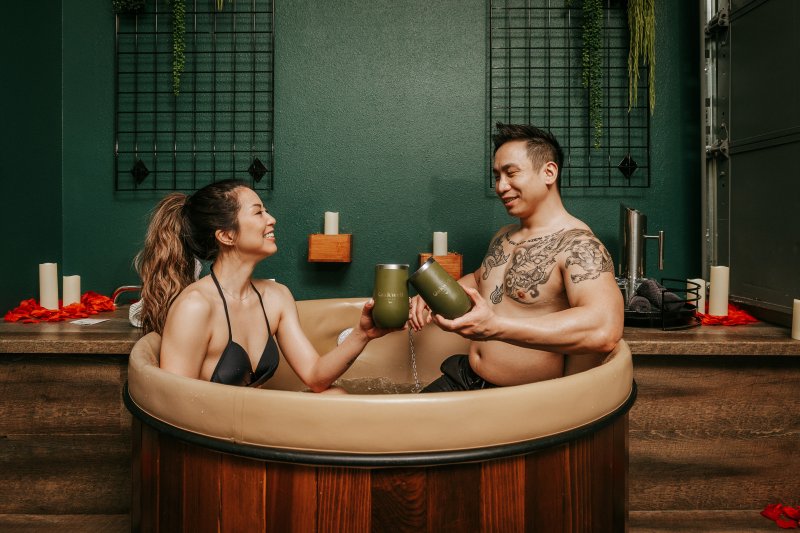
549,456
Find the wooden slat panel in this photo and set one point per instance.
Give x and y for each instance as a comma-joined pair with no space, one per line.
714,433
148,502
170,484
691,393
706,521
343,500
136,478
64,474
47,394
503,495
598,476
683,470
15,523
243,493
621,471
399,500
546,489
291,498
454,498
201,479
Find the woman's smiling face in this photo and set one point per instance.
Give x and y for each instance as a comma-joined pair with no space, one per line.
256,233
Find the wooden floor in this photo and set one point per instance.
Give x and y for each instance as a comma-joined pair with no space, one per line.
640,522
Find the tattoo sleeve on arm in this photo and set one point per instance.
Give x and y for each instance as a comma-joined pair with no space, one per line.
589,254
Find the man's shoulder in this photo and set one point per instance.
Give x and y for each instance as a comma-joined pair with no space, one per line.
505,229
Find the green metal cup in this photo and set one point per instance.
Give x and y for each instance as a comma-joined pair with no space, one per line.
390,293
443,294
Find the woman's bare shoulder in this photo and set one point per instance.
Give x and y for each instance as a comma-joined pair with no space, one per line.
271,288
195,301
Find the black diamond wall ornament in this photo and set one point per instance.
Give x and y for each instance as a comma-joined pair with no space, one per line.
257,170
139,171
627,166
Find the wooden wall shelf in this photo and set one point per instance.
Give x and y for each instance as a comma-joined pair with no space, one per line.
451,262
329,248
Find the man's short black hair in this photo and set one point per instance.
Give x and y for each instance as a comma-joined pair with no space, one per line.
542,145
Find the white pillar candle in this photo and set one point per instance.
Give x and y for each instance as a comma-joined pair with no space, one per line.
439,243
331,223
72,290
48,285
718,293
701,293
796,320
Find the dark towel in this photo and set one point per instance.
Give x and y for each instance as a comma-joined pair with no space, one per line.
640,304
652,290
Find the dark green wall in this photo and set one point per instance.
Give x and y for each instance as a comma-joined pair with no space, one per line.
380,115
30,147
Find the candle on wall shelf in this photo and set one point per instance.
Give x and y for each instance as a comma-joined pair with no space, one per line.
718,292
71,290
439,243
330,246
331,223
48,285
796,320
701,293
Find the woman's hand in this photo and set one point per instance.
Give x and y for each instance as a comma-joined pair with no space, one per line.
477,324
368,327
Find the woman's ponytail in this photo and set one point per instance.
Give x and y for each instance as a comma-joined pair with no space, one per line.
165,264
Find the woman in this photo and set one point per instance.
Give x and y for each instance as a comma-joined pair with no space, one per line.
224,326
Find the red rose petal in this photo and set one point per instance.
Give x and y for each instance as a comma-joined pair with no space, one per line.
786,524
772,511
30,312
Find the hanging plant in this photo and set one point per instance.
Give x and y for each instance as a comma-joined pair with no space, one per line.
127,6
642,28
592,74
220,3
178,43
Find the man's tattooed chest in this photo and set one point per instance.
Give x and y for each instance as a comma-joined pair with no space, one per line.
529,265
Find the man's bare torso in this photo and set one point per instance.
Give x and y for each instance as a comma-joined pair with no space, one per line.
525,279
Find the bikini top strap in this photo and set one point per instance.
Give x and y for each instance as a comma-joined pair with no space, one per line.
261,300
224,304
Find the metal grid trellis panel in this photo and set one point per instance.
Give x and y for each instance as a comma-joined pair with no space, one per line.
535,50
220,125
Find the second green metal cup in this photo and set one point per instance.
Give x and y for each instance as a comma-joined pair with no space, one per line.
443,294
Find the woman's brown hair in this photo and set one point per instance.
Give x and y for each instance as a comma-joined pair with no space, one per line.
181,229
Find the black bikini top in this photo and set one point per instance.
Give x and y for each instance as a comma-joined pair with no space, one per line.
234,367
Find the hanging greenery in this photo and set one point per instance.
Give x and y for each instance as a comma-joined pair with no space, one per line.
220,3
642,28
592,61
127,6
178,43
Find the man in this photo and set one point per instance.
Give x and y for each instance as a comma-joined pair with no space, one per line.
546,286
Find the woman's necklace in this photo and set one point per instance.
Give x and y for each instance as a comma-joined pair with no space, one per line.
249,294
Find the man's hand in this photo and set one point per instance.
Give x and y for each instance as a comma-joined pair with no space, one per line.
419,314
477,324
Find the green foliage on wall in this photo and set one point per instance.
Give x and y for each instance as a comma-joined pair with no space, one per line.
178,43
592,61
642,27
